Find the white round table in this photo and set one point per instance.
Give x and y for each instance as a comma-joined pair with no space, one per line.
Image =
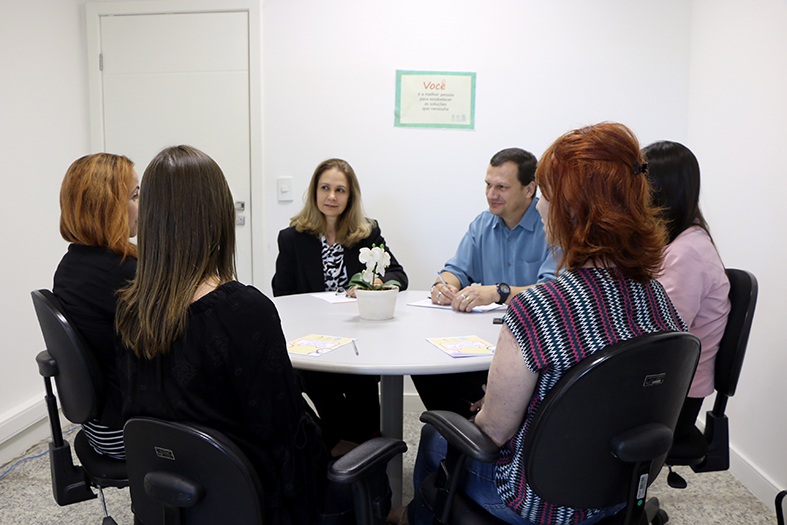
392,348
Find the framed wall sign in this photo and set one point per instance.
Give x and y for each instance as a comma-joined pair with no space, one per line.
434,99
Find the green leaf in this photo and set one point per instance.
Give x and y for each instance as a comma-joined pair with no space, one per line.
357,280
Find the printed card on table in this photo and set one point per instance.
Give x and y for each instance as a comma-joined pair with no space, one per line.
315,345
463,346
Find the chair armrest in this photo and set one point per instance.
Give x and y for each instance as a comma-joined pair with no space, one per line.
173,489
47,366
463,434
641,444
366,458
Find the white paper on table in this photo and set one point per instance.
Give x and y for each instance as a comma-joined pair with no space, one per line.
427,303
334,297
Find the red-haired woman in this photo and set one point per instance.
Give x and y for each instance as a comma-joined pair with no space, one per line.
596,209
98,214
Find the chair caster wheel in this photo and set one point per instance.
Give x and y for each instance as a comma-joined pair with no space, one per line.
675,480
660,518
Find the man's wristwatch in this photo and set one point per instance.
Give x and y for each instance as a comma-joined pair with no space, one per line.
504,291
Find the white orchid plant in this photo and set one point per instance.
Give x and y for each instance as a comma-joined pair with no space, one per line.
376,260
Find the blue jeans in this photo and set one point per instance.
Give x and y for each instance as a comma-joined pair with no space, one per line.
478,483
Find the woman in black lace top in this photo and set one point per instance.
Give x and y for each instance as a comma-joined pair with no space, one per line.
201,347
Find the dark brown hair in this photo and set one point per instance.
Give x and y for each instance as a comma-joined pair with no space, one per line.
600,206
186,236
94,202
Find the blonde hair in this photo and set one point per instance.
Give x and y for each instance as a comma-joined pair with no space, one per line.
94,203
352,226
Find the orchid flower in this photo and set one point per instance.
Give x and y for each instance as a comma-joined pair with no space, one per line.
365,256
376,260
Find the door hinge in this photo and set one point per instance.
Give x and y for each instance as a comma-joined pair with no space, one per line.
101,61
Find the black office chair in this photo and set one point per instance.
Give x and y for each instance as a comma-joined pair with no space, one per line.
710,452
599,438
80,387
181,473
190,475
360,468
780,507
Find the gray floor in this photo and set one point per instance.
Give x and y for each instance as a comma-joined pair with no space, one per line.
26,495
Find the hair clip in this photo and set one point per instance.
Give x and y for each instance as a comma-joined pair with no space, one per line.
640,168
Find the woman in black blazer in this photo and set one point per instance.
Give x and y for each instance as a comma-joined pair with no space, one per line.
317,253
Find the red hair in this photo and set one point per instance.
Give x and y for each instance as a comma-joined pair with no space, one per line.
94,203
600,208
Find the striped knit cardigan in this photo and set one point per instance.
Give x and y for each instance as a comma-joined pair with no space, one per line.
558,324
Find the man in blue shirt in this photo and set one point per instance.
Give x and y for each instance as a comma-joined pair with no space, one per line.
503,252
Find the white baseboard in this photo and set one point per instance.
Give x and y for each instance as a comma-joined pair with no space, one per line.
22,427
413,403
758,483
22,417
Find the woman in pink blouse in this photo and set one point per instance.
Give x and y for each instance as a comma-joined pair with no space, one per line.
693,273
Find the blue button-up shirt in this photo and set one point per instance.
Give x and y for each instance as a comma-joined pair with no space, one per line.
490,253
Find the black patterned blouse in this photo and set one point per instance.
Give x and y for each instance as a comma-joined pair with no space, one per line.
333,267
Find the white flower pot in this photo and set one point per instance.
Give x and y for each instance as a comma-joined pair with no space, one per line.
375,305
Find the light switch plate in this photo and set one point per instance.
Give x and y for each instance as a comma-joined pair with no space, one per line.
284,189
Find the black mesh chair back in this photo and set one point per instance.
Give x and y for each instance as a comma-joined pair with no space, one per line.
81,388
608,422
188,474
780,507
710,451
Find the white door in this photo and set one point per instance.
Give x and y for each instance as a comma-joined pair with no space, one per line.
181,78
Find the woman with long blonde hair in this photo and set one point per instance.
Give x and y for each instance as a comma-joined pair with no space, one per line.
319,252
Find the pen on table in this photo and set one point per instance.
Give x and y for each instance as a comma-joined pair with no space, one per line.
355,347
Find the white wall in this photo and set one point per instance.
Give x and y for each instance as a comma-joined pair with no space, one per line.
43,128
738,110
329,71
328,83
542,68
